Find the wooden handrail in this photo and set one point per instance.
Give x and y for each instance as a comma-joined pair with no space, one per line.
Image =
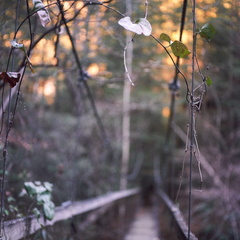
20,228
177,216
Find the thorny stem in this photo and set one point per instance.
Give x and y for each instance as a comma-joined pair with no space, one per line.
192,118
183,164
2,110
199,86
198,159
27,55
199,69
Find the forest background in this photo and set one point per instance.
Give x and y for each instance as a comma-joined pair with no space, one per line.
57,138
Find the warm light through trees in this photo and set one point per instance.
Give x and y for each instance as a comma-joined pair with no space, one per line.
56,134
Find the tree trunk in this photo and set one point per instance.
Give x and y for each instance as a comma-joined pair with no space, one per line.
126,106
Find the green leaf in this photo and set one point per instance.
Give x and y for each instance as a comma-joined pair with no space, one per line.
208,80
48,186
38,191
36,213
11,199
165,37
43,194
48,210
207,31
30,188
43,198
179,49
19,215
6,212
13,208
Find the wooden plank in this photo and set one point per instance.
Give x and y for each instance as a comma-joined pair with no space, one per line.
144,226
20,228
177,215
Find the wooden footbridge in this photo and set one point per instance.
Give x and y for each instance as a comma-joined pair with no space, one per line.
114,216
144,226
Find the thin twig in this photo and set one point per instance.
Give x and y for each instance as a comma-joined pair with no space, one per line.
183,164
125,63
146,8
198,159
175,65
192,118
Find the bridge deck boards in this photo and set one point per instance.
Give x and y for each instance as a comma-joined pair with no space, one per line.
143,227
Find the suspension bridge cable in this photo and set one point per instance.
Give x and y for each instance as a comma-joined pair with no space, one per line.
173,87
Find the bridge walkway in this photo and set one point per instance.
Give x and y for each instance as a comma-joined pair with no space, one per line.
143,227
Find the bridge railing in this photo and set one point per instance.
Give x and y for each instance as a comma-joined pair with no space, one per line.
123,201
172,223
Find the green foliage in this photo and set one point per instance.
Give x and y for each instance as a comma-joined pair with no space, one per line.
37,213
42,194
12,207
165,37
207,31
208,80
179,49
48,209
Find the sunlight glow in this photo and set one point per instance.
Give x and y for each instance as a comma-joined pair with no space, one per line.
47,90
43,53
227,5
93,69
166,112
